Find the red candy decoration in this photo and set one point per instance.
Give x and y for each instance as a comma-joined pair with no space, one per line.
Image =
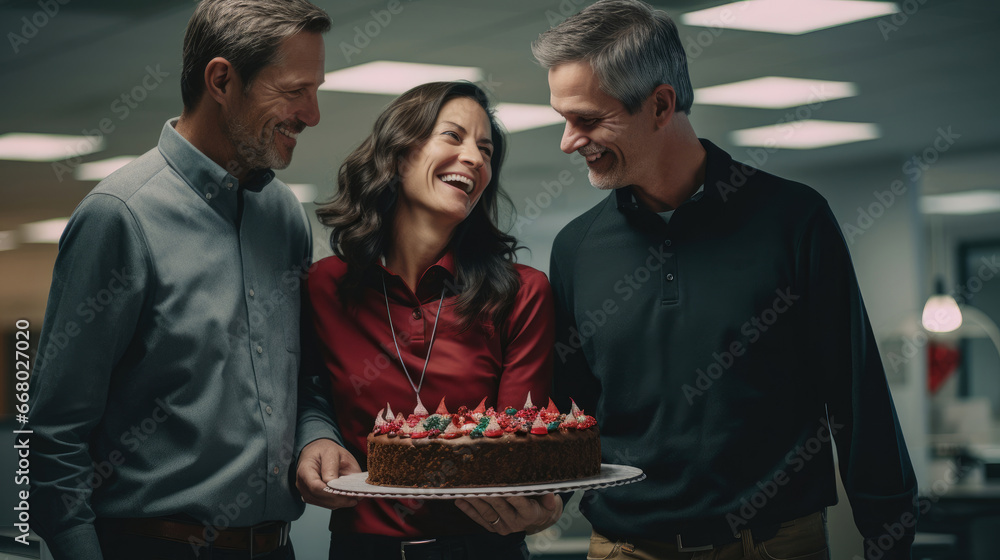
538,428
552,407
493,429
482,406
441,409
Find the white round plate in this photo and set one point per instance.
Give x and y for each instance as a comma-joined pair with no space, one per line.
355,485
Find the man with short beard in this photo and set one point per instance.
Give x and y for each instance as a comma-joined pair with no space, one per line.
164,393
708,316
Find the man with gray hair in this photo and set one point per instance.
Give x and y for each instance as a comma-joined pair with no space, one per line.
164,393
709,317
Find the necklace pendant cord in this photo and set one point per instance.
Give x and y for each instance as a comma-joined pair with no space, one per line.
430,344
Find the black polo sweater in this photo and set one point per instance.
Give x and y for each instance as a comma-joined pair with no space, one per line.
719,352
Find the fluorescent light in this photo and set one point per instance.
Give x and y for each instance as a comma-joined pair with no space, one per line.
387,77
525,116
304,192
968,202
941,314
47,147
793,17
805,134
45,231
98,170
8,240
773,92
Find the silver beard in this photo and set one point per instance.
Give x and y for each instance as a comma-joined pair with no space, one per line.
253,151
613,178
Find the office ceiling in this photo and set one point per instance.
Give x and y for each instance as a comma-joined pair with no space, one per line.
935,70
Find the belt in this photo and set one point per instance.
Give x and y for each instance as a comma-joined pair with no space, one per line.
460,547
262,538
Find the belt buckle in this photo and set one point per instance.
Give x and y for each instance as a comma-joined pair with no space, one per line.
404,544
682,548
283,534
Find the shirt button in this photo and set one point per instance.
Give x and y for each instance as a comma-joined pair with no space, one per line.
416,314
668,243
670,278
267,409
208,196
275,471
260,350
229,185
251,292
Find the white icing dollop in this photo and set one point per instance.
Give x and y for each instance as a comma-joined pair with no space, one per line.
538,423
420,409
575,410
493,426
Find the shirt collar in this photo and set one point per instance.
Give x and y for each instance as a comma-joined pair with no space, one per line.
431,281
205,176
720,170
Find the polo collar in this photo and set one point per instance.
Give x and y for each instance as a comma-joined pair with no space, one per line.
719,171
431,280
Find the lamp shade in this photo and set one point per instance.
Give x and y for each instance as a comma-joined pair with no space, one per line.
941,314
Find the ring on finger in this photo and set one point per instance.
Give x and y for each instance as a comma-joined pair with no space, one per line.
497,521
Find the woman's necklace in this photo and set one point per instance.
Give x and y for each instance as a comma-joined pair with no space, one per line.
430,344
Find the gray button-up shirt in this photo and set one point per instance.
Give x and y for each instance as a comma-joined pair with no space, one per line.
165,379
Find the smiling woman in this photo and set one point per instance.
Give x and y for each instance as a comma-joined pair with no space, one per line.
402,176
443,179
423,302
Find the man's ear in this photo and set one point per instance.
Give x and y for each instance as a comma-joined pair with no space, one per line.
664,104
221,80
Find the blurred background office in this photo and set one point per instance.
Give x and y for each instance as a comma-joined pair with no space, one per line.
887,108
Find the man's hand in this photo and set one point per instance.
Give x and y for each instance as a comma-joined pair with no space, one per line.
320,462
511,515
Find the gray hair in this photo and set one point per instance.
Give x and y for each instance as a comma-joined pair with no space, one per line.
631,47
247,33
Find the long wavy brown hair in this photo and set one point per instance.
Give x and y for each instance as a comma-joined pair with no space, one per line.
361,213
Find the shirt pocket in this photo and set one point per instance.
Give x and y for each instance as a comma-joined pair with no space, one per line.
802,539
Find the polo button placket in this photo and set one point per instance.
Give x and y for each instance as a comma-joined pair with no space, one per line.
668,287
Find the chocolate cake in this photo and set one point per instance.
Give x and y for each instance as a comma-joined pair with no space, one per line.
482,447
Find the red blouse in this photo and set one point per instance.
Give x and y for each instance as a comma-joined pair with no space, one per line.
357,350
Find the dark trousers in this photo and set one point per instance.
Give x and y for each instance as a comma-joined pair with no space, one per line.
799,539
487,546
124,546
